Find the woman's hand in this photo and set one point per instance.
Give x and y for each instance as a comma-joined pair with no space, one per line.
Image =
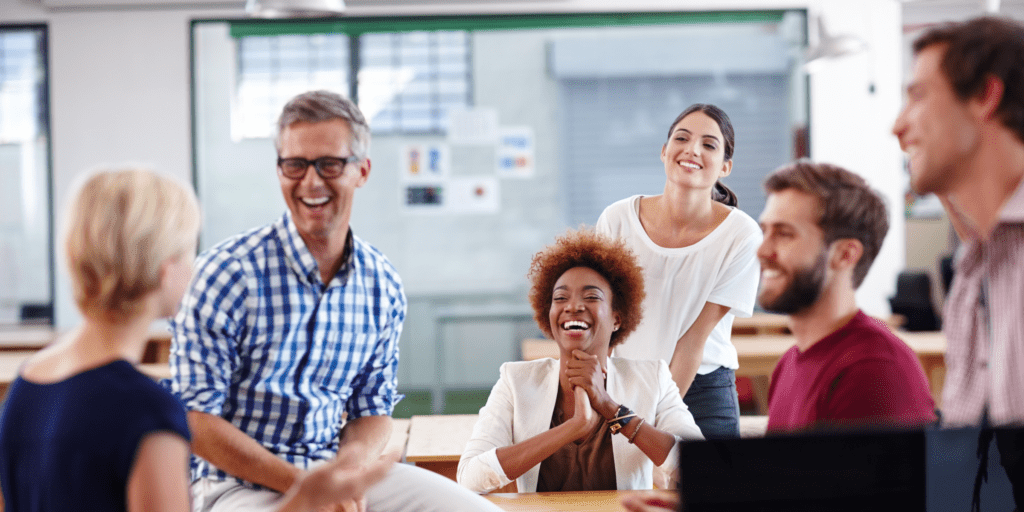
584,418
585,371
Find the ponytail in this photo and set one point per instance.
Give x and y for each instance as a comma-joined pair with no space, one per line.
724,195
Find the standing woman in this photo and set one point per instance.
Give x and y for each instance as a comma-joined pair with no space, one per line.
699,255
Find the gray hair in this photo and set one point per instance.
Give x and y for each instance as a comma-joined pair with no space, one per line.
320,106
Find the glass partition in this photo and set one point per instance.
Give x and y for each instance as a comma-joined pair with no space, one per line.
26,267
491,135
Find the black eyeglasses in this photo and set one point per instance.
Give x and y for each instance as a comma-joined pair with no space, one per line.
328,167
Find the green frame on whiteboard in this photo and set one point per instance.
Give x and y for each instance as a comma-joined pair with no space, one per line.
476,22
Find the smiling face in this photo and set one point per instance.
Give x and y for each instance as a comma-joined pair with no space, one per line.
935,128
581,312
694,155
793,254
321,208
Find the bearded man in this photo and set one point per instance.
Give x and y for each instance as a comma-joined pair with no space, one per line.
823,227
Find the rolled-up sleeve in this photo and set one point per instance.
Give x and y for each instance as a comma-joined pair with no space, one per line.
205,332
375,389
479,468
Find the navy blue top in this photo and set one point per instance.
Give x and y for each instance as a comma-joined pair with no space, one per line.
70,445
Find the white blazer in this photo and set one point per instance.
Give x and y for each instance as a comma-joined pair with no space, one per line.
523,400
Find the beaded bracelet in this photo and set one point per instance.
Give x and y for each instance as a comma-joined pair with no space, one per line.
635,430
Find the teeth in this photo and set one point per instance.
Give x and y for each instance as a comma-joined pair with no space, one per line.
768,274
691,165
315,201
575,324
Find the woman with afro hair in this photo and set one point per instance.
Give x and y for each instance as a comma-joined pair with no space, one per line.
551,425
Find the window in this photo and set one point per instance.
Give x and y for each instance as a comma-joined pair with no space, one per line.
26,271
273,69
407,81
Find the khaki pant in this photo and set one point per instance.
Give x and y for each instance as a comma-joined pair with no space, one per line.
406,488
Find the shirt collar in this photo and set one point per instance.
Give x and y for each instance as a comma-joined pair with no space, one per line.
302,261
1013,210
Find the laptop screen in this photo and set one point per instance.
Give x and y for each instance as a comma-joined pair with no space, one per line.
805,472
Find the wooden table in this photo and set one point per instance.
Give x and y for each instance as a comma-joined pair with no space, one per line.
595,501
760,324
399,436
26,338
437,442
34,338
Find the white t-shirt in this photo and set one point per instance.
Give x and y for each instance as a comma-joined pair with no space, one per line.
721,269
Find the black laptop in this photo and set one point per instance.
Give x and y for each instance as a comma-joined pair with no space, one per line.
806,472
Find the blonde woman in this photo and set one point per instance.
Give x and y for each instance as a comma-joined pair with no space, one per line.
81,428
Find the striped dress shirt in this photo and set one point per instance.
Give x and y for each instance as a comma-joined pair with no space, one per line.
984,325
262,342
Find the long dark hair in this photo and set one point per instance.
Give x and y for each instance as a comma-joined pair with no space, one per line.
720,192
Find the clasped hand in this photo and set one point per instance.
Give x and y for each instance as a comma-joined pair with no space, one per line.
592,403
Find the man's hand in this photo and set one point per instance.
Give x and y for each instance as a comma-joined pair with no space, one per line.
349,457
337,486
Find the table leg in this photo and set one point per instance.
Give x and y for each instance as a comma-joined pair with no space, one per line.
760,384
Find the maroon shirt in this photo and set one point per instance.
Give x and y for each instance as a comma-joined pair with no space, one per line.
860,375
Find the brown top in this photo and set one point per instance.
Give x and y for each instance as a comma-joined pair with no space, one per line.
584,465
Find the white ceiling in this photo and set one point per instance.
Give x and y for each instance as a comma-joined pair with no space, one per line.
916,13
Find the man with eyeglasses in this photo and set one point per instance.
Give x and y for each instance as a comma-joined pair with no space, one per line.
285,350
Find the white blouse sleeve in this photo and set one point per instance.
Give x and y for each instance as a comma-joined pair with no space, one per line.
673,416
736,287
479,469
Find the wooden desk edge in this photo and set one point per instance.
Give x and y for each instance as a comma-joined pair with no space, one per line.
433,458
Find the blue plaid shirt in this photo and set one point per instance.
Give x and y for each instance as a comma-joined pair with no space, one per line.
261,342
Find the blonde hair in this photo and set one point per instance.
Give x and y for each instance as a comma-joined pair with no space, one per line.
120,227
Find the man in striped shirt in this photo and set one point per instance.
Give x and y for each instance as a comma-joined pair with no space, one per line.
963,131
292,326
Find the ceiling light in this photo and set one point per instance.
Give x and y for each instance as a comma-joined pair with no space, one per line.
833,46
294,8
